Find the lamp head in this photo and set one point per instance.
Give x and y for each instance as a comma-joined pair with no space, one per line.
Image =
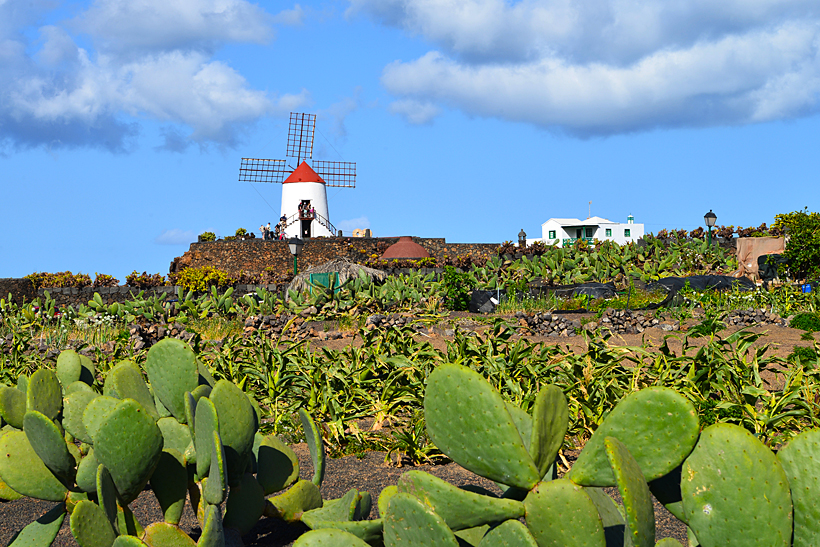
710,218
295,245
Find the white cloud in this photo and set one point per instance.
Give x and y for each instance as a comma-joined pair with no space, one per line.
175,236
338,112
347,226
295,16
609,66
415,112
152,60
134,27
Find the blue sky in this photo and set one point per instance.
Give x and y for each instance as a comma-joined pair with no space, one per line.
123,122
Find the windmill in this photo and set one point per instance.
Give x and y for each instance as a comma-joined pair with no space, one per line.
305,188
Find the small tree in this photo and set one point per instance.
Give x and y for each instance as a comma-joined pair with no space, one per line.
803,245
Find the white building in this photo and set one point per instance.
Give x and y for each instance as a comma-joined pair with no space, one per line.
306,189
566,231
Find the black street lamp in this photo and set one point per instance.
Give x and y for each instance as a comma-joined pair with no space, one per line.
522,239
295,245
710,219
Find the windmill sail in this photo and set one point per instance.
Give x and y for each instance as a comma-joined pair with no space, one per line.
340,174
261,170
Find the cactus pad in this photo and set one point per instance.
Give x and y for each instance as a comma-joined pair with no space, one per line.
509,534
329,538
313,437
24,472
460,509
638,508
127,381
550,420
212,532
384,498
468,420
12,406
237,426
44,393
559,513
170,485
612,518
341,509
107,496
302,496
659,428
172,370
87,473
74,406
369,531
162,534
206,422
78,386
215,487
42,531
246,503
48,443
90,526
128,541
95,413
68,367
801,461
411,523
277,466
668,542
174,434
129,444
735,492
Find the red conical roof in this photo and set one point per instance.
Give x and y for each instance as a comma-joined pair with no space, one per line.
304,173
405,247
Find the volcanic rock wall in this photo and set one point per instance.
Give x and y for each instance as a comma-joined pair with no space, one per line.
254,256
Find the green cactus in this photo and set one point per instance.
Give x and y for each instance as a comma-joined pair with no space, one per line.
172,370
560,513
90,525
212,532
206,423
732,482
550,420
130,463
657,425
289,506
162,534
237,425
277,467
460,509
216,485
468,420
74,407
329,538
107,496
801,462
638,509
49,444
411,523
174,434
317,449
24,472
126,382
169,482
95,413
43,530
245,506
44,393
12,406
508,534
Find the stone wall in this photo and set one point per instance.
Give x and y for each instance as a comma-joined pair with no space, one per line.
21,290
254,256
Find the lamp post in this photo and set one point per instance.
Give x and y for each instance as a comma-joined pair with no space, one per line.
295,245
522,239
710,219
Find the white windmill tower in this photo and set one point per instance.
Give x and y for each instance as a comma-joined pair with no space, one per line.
304,191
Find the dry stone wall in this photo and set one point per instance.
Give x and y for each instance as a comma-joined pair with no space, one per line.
255,256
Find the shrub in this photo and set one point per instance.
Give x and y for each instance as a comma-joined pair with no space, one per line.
806,321
201,279
144,280
104,280
59,279
803,353
803,246
207,236
240,232
456,289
